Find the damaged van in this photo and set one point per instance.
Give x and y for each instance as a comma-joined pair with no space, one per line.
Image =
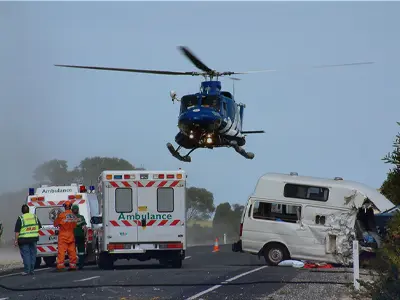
307,218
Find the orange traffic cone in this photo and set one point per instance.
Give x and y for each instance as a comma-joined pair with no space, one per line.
216,246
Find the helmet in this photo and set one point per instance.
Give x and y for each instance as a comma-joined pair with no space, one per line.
75,207
67,205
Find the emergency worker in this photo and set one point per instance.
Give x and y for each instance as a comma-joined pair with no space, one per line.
66,222
26,236
79,234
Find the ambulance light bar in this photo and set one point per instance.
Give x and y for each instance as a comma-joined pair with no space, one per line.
125,176
31,191
169,176
91,189
82,189
33,199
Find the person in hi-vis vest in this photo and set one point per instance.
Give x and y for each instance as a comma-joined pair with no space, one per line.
26,236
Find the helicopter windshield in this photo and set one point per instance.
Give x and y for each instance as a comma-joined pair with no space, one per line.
188,101
211,101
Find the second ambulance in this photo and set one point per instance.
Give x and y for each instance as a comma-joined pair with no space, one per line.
47,203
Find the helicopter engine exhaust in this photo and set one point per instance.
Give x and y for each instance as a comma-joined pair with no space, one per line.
241,151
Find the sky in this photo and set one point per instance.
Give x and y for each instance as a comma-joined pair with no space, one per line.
318,122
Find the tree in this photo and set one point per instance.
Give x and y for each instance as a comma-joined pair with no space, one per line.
54,172
391,186
199,203
90,168
227,219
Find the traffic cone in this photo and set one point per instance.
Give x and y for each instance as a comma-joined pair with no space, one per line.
216,246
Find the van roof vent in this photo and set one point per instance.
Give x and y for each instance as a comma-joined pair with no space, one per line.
294,173
338,178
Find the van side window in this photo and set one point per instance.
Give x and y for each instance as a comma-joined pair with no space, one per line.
123,200
306,192
165,199
276,212
249,212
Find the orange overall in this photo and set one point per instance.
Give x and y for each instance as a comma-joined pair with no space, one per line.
66,221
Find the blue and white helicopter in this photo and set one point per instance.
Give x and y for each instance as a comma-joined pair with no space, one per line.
209,118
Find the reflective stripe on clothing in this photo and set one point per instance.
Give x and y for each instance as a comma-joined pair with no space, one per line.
29,226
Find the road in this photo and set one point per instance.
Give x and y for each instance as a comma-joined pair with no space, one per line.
204,275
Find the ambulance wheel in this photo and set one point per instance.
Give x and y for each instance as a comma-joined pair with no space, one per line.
38,262
105,261
274,253
49,261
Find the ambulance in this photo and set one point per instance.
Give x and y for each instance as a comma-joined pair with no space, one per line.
143,216
47,203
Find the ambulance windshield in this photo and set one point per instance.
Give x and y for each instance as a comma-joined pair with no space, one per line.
48,214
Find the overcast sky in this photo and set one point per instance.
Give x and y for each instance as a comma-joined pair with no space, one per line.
326,122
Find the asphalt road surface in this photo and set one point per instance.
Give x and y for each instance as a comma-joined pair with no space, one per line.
204,275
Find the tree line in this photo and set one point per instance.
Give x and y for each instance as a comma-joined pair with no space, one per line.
199,201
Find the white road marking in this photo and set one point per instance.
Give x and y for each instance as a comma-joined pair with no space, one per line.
19,273
4,298
224,282
187,257
85,279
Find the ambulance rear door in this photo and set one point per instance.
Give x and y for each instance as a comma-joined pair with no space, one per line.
46,213
161,206
120,201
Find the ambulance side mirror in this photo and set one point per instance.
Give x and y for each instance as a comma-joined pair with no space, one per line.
96,220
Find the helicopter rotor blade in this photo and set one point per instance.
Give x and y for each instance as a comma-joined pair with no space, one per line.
132,70
314,67
197,62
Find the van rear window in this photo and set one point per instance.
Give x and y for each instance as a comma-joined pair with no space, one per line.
165,199
123,200
306,192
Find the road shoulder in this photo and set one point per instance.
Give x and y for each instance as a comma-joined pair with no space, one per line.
327,284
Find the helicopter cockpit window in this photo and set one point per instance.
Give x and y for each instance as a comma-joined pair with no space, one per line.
211,101
188,101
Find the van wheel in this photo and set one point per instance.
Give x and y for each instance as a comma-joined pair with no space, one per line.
49,261
274,254
105,261
38,262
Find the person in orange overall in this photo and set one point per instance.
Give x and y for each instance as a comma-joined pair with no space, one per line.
66,222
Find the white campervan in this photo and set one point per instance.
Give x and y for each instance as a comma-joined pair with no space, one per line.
309,218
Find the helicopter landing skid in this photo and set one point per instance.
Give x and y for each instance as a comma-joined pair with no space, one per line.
175,153
241,151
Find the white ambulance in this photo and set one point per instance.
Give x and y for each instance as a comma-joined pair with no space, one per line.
143,217
47,202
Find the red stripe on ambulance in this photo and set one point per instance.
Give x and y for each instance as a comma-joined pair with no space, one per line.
139,223
147,184
47,249
43,232
54,203
114,184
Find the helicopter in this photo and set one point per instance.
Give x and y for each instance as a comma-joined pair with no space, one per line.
211,117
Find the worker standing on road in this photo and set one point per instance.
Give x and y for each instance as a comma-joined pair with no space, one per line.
79,234
26,237
66,222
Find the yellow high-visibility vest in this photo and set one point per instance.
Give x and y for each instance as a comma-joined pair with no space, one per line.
29,226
